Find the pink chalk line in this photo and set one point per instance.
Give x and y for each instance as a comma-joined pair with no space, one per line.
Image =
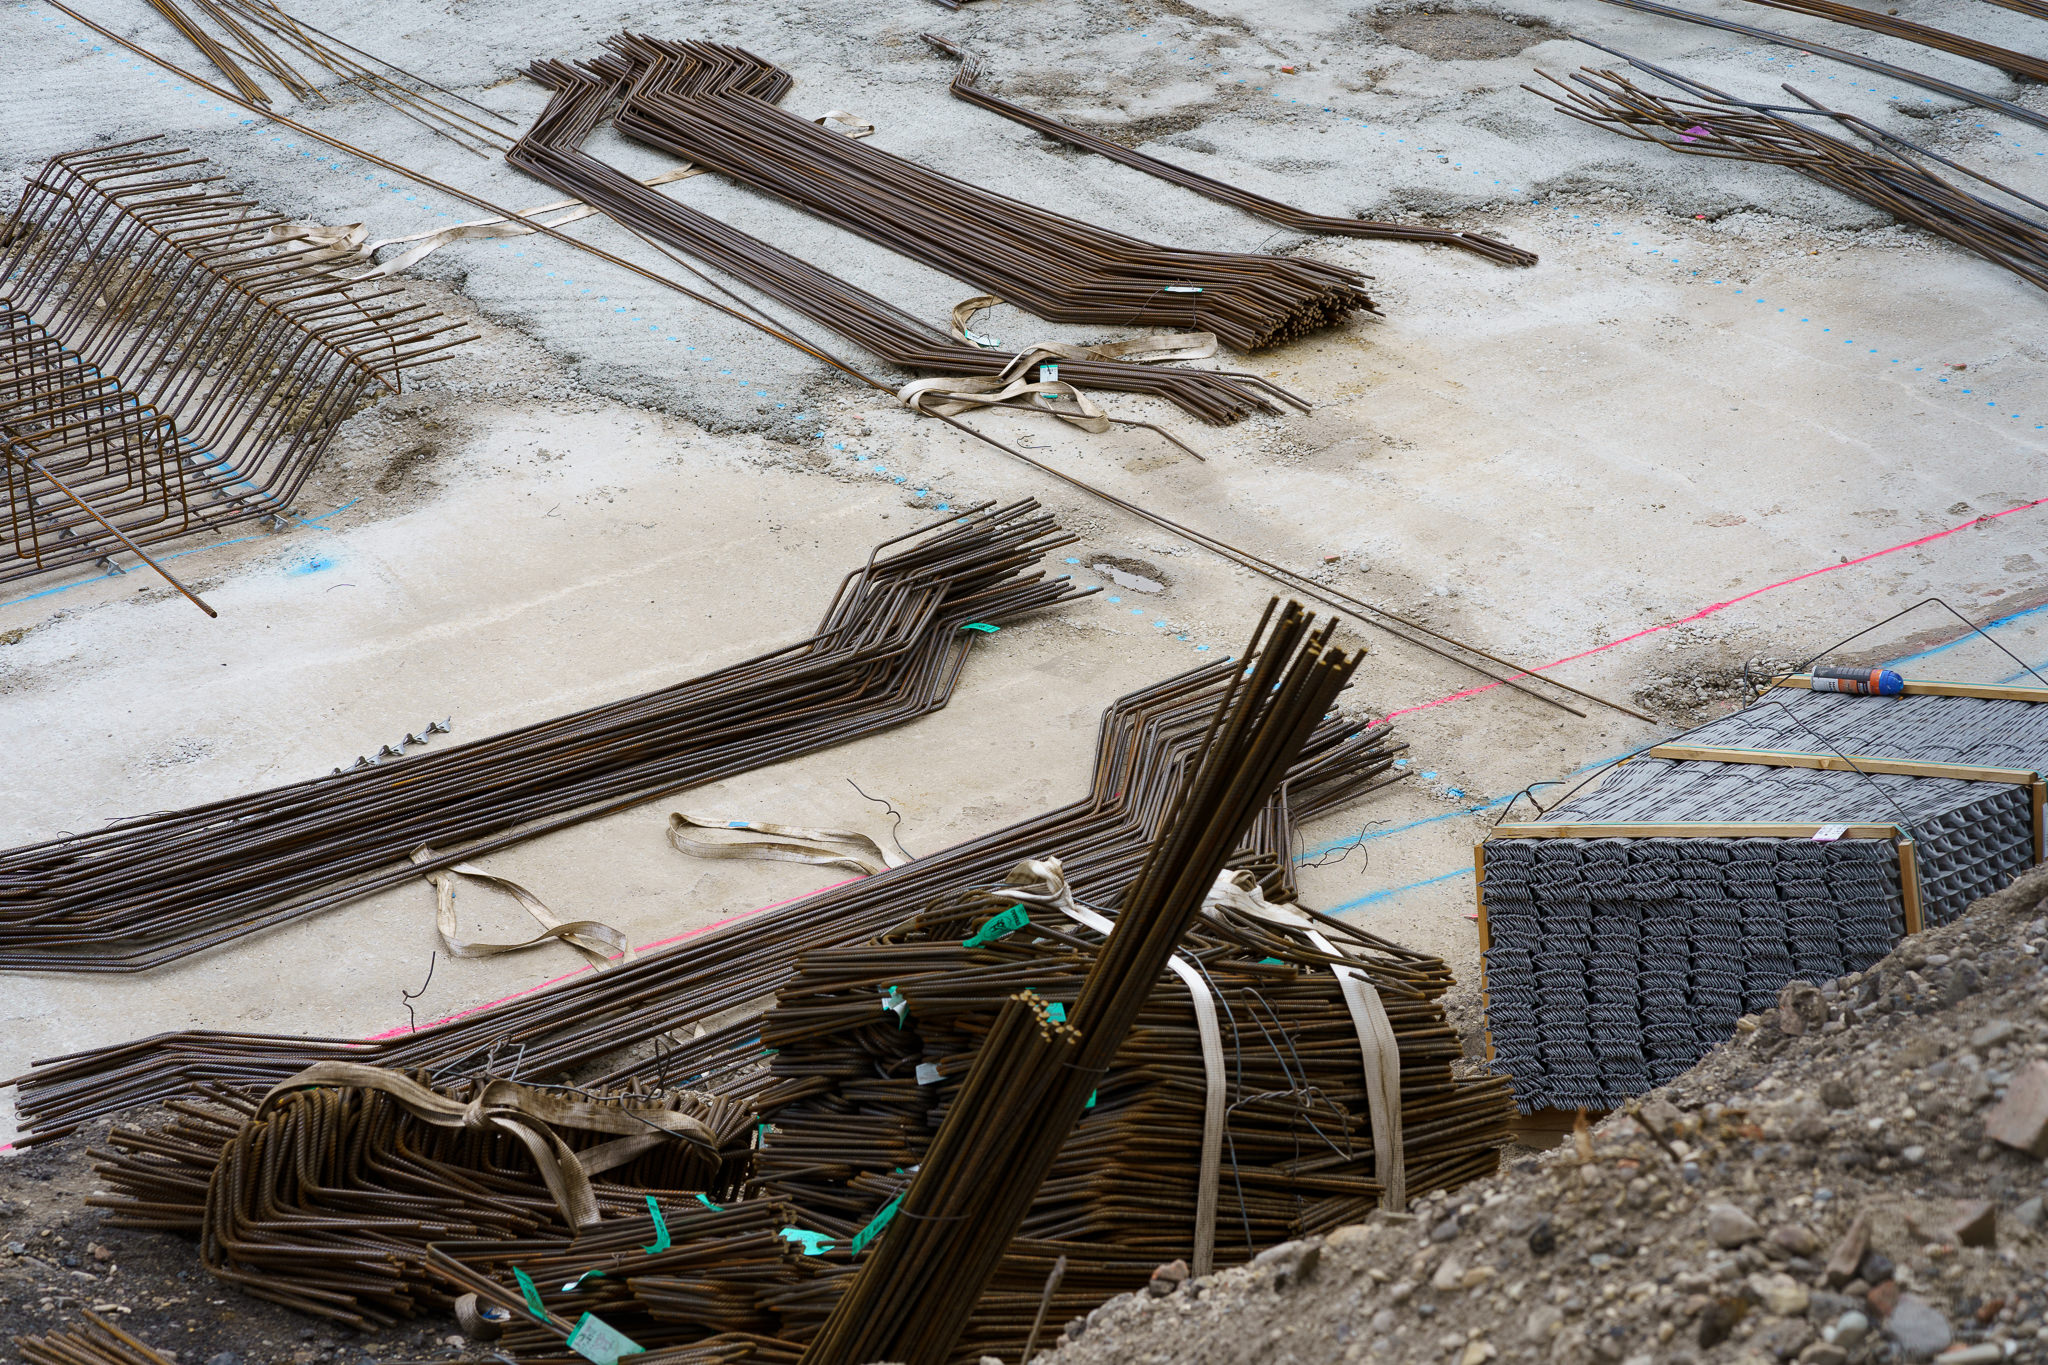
1721,606
1406,710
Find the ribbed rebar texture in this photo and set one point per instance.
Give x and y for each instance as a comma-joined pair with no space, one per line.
1143,758
712,104
162,369
160,887
552,152
1028,1088
98,1342
1615,964
967,86
1881,169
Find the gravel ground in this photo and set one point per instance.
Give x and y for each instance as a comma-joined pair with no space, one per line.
1835,1185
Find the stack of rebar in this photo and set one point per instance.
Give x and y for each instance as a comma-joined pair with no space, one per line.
162,369
1142,760
714,105
1883,170
552,152
327,1201
98,1342
967,86
1035,1074
259,34
157,888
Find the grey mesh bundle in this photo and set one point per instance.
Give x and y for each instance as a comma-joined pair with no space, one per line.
1616,963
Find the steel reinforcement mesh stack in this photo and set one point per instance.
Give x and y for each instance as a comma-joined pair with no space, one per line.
1614,964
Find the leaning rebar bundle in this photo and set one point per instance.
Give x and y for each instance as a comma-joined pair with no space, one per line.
157,888
967,86
552,152
1143,758
1882,171
161,369
714,105
1035,1076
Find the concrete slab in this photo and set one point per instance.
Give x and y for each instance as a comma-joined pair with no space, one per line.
1731,416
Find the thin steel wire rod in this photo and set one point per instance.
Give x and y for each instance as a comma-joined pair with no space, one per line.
1836,54
966,85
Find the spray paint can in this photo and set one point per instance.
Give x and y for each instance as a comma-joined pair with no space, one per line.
1865,682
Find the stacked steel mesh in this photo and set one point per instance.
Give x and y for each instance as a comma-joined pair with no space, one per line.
163,368
1615,964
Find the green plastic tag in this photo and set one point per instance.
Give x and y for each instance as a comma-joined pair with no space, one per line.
1271,962
875,1225
578,1281
1091,1099
892,1003
706,1202
532,1293
661,1242
598,1341
813,1243
1056,1011
982,626
1001,926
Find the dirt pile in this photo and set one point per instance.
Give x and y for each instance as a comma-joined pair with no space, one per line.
1855,1178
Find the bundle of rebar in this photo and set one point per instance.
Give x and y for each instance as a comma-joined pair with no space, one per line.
98,1342
891,646
162,370
551,151
1882,170
1031,1080
1142,760
2004,58
326,1199
967,86
1835,54
714,105
261,35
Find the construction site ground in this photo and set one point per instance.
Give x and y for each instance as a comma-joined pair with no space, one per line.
1729,419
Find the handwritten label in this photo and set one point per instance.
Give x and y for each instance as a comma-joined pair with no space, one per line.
1009,922
1056,1012
596,1340
1827,834
928,1073
1048,374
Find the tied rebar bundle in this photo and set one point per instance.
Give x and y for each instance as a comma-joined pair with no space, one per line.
715,105
1143,758
162,369
326,1199
551,151
158,888
1882,170
1031,1081
98,1342
967,86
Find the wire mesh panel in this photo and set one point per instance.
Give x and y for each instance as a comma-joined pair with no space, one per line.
164,368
